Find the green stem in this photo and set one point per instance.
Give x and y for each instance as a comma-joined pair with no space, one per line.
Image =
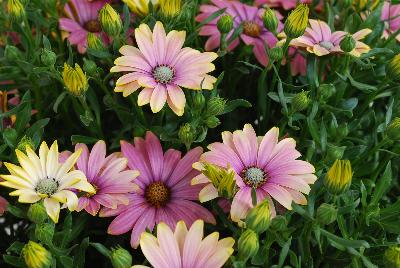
221,215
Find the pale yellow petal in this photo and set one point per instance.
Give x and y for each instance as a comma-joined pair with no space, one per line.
68,164
52,208
52,163
28,166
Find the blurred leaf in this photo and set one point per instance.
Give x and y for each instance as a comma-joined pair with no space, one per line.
345,242
102,249
384,183
234,104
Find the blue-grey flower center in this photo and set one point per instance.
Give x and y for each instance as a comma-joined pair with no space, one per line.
326,44
48,186
163,74
254,176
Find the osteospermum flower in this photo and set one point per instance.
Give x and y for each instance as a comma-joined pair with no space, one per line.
108,175
185,248
165,192
262,163
3,205
44,178
81,18
161,66
391,17
250,17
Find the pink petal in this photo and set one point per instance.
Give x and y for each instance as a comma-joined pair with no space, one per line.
184,166
158,98
155,153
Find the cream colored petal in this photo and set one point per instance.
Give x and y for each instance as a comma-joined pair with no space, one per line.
71,178
28,166
26,196
18,181
67,197
52,208
17,171
208,193
43,152
68,164
35,161
52,164
85,186
180,234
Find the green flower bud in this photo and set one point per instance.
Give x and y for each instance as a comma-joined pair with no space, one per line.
339,176
393,68
215,106
392,257
279,223
110,20
334,152
187,134
37,213
225,24
270,20
393,129
259,217
296,22
212,122
223,180
300,101
16,10
36,256
325,91
12,53
24,142
326,214
348,43
342,131
94,42
75,80
275,54
89,67
121,258
48,57
170,8
248,244
198,101
45,232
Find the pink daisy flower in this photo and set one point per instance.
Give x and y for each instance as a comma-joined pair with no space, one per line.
185,248
165,193
81,19
263,163
254,33
391,17
3,205
162,67
108,175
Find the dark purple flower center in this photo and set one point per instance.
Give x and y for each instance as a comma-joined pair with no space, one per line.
251,28
157,194
254,176
92,26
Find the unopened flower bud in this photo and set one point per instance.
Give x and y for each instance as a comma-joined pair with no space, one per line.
342,131
300,101
110,20
259,217
393,68
94,42
48,57
37,213
215,106
187,134
75,80
275,54
89,67
279,223
170,8
44,232
212,121
36,256
140,7
225,24
326,214
296,22
121,258
223,180
16,10
348,43
198,101
12,53
326,91
393,129
270,20
392,257
339,176
248,244
24,142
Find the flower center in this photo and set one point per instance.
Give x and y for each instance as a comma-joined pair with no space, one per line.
48,186
157,194
163,74
251,28
326,44
254,176
92,26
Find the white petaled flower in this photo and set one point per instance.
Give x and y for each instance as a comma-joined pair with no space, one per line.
44,178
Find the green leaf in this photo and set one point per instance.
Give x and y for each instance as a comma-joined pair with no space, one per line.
102,249
83,139
14,261
66,261
10,136
344,242
38,125
79,259
383,185
284,252
234,104
16,247
16,211
59,100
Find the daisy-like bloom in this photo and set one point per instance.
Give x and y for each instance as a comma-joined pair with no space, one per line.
391,17
108,175
81,19
164,194
263,163
44,178
319,39
3,205
250,17
185,248
162,67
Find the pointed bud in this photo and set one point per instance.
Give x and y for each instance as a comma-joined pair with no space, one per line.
212,122
393,129
12,53
248,244
392,257
110,20
198,101
259,217
37,213
296,22
275,54
89,67
75,80
223,179
393,68
215,106
326,214
187,134
36,256
300,101
348,43
326,91
94,42
48,57
121,258
45,232
139,7
270,20
225,24
279,223
24,142
16,10
338,179
170,8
